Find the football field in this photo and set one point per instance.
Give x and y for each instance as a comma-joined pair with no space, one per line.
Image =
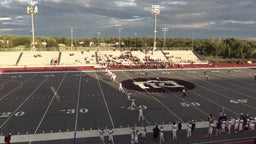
43,106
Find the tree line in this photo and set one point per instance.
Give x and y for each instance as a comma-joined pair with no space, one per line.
229,48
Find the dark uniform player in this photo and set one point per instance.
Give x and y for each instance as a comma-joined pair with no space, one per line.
7,139
204,72
156,132
207,77
179,127
255,76
193,127
184,94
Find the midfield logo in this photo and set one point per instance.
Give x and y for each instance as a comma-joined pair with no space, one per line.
166,85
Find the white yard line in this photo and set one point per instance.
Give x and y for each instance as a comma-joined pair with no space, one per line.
104,99
13,90
48,106
77,106
90,133
198,109
23,102
225,96
235,85
209,100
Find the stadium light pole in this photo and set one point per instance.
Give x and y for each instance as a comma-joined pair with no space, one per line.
32,9
98,33
164,30
193,41
72,37
155,11
119,36
135,34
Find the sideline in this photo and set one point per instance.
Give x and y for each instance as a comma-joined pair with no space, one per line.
87,134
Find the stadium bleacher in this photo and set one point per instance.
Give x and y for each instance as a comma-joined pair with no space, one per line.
96,58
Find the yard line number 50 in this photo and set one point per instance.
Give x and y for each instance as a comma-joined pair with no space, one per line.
195,104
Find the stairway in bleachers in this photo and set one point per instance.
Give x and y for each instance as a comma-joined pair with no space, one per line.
18,60
59,58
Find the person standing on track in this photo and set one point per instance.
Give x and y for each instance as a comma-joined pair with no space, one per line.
110,136
218,128
102,140
144,133
241,125
136,137
179,127
161,139
7,139
132,136
174,131
229,125
156,131
236,125
189,129
210,129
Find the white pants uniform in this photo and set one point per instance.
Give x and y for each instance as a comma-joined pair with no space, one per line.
144,133
102,140
133,103
189,126
141,116
210,130
161,135
252,125
136,138
110,137
229,126
240,127
236,125
121,87
174,132
223,126
132,136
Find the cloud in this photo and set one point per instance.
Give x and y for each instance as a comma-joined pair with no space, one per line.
193,25
5,19
207,17
126,3
238,22
177,3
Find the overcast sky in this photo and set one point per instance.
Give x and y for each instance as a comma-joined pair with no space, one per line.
183,18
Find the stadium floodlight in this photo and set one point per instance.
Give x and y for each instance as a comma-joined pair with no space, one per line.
32,9
119,36
155,11
164,30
